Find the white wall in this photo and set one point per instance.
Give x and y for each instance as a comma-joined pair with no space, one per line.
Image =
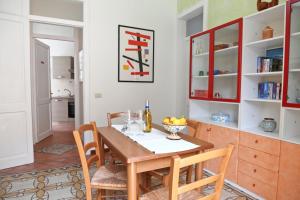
60,48
104,18
64,9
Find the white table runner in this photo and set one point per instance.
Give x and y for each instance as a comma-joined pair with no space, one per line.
156,141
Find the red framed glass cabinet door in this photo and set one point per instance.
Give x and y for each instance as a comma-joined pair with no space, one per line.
227,60
291,87
200,66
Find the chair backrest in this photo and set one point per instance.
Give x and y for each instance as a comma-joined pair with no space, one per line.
111,116
218,178
86,162
193,127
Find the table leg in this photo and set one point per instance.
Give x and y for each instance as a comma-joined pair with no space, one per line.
132,181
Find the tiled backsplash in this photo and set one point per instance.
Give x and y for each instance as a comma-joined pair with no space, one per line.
58,86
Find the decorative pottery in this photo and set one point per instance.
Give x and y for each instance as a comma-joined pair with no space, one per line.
267,32
174,129
268,124
262,5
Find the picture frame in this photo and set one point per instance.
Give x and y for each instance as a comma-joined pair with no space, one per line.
135,54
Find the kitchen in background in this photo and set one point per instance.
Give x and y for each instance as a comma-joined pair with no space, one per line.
62,82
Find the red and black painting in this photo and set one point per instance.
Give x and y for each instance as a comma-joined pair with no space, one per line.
136,55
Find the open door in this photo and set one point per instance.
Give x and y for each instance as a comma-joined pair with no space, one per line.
43,89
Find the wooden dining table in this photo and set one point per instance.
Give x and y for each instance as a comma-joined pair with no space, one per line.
139,159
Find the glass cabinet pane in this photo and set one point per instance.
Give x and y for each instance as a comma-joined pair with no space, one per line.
199,66
226,52
293,90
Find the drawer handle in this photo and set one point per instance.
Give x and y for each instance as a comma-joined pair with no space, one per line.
253,185
254,170
256,141
255,156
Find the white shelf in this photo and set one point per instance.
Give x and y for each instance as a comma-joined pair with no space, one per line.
218,76
201,54
279,73
267,15
296,35
294,70
200,76
227,51
264,100
259,131
267,43
233,125
294,140
223,52
225,75
219,102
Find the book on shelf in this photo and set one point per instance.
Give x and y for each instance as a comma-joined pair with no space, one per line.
272,62
267,64
269,90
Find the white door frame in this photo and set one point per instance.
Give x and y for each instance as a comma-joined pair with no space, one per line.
86,74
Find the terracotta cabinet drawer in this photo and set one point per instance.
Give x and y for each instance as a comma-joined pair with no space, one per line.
264,190
259,173
259,158
267,145
289,172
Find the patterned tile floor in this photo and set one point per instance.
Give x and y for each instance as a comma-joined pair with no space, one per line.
62,134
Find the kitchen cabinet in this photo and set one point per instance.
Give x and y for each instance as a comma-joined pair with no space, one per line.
289,172
62,67
221,137
59,109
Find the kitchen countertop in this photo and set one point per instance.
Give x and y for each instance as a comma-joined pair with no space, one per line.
63,97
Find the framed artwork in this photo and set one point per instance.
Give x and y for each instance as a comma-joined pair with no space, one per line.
136,55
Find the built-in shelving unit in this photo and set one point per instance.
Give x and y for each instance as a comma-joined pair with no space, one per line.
259,76
291,91
253,107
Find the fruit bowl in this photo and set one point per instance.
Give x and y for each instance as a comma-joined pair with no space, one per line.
174,129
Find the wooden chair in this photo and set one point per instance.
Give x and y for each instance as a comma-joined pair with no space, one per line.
103,179
189,191
111,116
163,174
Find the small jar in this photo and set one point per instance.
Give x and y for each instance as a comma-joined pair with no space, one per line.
267,32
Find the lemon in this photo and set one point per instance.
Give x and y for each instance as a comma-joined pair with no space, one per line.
173,119
182,121
176,122
166,120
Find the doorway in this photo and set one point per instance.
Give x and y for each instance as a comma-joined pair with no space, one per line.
62,111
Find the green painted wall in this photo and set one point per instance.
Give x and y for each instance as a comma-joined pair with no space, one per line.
221,11
185,4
